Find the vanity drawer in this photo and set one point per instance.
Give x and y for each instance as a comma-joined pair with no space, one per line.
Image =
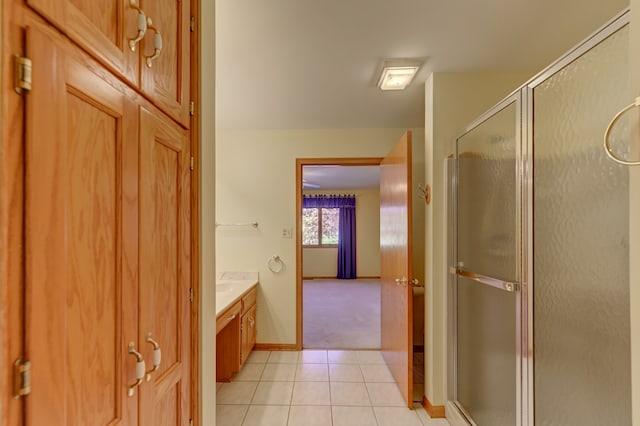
227,316
249,299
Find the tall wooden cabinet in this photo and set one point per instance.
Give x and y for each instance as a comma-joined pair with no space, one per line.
104,213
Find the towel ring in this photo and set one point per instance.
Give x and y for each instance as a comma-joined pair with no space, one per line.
275,264
607,134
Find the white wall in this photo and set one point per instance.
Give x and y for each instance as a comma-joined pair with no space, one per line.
452,101
634,226
206,164
323,262
255,180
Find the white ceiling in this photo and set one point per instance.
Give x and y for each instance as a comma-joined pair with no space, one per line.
292,64
342,177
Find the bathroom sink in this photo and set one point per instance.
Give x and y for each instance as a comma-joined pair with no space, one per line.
224,287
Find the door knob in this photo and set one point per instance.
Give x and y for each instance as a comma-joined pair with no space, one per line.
157,356
416,283
140,369
398,281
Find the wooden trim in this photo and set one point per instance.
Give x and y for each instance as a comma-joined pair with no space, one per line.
434,411
275,347
11,214
300,162
196,370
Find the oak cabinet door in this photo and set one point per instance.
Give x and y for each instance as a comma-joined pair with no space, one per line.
102,27
80,242
165,274
248,333
165,79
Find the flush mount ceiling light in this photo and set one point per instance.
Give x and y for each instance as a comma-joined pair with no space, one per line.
397,75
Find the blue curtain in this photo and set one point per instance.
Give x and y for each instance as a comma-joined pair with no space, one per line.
347,229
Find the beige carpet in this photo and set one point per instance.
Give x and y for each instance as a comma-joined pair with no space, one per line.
341,314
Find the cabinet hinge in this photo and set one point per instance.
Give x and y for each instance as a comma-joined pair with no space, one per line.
21,378
192,108
191,294
193,163
192,24
22,74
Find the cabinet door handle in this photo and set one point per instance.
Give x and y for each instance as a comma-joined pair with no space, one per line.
251,322
142,26
157,355
157,45
140,369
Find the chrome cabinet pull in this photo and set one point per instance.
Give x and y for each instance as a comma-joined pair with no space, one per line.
142,26
140,369
415,283
157,44
157,356
251,322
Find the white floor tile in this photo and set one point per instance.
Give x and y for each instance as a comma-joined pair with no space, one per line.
312,373
249,373
343,357
345,373
266,415
353,416
385,395
311,356
311,393
376,373
283,357
396,416
236,393
230,415
309,416
259,357
370,357
273,393
279,372
349,394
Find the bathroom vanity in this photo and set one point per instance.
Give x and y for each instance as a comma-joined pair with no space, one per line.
236,326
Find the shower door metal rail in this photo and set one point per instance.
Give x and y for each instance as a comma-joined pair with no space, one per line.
483,279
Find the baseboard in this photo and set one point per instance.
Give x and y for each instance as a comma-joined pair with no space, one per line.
434,411
275,347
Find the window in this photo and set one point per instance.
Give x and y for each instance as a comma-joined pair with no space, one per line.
320,226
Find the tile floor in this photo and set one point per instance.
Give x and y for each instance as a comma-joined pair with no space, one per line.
316,387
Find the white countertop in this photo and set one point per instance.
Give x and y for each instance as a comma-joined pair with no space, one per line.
230,286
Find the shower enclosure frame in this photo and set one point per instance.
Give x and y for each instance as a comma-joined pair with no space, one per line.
523,98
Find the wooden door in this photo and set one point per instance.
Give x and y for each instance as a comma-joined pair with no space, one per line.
165,272
102,27
248,333
166,79
80,241
395,265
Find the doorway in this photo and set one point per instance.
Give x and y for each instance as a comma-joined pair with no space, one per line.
338,278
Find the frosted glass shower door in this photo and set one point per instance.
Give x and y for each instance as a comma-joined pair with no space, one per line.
486,271
581,242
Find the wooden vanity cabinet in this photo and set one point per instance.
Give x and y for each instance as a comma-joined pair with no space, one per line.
235,336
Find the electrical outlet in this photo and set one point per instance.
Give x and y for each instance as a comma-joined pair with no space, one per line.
287,233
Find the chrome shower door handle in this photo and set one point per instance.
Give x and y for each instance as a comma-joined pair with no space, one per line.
157,355
140,369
